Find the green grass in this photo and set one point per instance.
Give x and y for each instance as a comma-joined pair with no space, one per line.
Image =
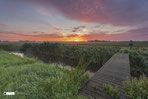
137,88
113,92
16,46
134,88
11,60
112,43
138,61
95,86
66,54
32,79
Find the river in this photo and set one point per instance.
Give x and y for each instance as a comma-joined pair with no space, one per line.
89,73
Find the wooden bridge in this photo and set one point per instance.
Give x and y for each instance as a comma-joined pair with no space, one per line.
114,72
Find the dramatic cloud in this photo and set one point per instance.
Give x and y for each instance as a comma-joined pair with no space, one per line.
140,34
3,25
72,35
69,20
143,31
57,28
117,12
78,28
39,37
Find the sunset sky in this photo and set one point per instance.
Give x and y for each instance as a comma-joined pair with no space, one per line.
73,20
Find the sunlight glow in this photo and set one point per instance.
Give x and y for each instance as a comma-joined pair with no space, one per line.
76,40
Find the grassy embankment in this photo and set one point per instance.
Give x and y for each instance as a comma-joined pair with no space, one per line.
97,56
33,79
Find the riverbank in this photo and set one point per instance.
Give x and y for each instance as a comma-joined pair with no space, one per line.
31,79
88,73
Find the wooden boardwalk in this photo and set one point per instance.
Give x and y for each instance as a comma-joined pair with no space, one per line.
114,72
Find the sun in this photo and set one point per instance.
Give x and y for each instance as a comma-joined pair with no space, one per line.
76,40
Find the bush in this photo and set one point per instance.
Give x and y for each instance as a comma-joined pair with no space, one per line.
138,62
113,92
95,86
137,88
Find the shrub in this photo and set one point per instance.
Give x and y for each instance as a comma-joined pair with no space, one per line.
95,86
138,62
137,88
113,92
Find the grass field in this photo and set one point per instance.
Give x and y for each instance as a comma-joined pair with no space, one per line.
32,79
94,57
110,44
107,44
138,61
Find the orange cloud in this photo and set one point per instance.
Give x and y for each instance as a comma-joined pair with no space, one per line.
72,36
40,37
134,34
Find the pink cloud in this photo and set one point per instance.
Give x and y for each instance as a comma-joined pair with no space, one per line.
40,37
116,12
116,37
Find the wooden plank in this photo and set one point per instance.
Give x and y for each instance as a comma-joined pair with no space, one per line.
113,72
